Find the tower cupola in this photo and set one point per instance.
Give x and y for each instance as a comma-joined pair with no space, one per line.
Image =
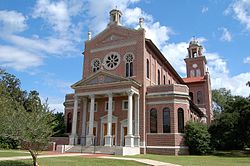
194,49
115,17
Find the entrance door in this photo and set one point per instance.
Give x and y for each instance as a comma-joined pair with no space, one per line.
125,132
105,131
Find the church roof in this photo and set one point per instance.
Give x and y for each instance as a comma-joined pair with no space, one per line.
162,57
194,79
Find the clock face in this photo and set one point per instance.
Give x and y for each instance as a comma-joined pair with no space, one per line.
195,65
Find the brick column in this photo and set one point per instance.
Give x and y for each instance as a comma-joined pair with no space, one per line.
73,137
137,135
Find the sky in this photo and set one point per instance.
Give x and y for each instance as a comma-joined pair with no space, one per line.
41,41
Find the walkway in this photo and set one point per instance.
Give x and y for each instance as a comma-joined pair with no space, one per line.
87,155
144,161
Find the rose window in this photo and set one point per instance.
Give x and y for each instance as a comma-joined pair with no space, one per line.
129,58
112,60
96,64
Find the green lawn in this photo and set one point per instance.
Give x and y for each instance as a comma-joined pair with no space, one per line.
200,160
70,161
12,153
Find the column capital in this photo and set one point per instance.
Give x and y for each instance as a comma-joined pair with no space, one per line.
75,97
110,94
130,92
92,96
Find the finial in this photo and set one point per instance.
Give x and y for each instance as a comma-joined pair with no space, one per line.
141,22
89,35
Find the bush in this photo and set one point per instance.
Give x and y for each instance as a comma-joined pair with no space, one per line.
8,143
197,138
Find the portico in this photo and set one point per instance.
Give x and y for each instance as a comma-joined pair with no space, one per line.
88,98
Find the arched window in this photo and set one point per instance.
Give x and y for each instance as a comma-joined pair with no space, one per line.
164,80
69,122
159,77
198,72
191,96
192,74
199,97
166,120
129,58
180,120
96,64
153,120
147,68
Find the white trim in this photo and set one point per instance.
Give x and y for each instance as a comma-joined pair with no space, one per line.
113,46
168,147
168,102
182,134
107,91
123,105
167,93
104,119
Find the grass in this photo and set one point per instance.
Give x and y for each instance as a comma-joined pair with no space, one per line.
71,161
200,160
12,153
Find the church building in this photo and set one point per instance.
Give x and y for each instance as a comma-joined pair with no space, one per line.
131,98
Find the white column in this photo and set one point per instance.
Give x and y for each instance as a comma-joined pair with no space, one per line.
108,137
90,136
129,139
84,112
137,134
73,137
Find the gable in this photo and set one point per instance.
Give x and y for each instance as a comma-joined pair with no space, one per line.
100,77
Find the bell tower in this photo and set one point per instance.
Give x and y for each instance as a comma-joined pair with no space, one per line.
198,79
195,62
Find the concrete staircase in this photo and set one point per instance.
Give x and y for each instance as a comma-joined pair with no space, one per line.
97,149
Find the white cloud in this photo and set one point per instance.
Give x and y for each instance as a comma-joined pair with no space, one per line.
12,21
226,35
204,10
18,58
247,60
240,11
57,14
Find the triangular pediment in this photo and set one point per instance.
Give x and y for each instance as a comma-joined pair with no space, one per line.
100,77
113,34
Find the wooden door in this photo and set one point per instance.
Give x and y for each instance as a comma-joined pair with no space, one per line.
125,132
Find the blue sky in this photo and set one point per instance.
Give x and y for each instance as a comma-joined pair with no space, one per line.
42,41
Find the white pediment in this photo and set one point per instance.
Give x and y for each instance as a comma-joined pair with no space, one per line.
100,77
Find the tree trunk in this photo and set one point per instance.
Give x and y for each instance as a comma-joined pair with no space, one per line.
34,157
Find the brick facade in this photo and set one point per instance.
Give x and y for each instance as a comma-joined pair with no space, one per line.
161,88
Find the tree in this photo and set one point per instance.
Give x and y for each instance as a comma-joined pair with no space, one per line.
23,117
231,128
59,125
248,83
197,138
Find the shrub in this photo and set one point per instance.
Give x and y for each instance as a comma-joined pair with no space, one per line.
197,138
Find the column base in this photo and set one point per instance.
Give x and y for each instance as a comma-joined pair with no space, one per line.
90,140
83,140
129,141
137,141
73,139
108,140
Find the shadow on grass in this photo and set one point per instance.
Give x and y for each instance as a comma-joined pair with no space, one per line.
233,153
14,163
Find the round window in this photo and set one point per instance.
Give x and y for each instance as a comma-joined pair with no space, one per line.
96,64
129,57
111,60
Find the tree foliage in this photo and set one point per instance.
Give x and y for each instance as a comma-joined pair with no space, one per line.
231,128
23,117
197,138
